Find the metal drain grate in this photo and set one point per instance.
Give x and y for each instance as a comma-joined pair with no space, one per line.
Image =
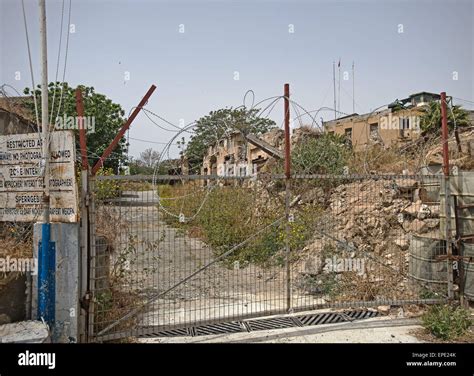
221,328
267,324
272,323
321,318
359,315
167,333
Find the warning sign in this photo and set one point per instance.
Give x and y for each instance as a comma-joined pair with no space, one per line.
21,177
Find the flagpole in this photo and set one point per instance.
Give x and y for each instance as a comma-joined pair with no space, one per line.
334,84
353,89
339,94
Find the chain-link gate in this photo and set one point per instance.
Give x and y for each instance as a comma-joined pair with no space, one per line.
174,252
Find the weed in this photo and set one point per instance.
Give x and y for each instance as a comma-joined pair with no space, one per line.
446,321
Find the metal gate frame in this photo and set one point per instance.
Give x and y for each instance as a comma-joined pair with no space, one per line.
107,333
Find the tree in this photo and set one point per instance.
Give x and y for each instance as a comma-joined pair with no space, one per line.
146,164
149,157
107,117
219,124
326,154
430,120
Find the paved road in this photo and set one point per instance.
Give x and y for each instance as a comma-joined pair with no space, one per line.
158,256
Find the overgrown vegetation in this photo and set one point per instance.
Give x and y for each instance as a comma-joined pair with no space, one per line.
106,189
326,154
381,159
108,118
224,217
446,321
430,121
146,163
116,276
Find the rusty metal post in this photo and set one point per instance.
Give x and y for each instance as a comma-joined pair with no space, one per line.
82,131
287,132
444,133
85,254
85,230
447,197
287,196
88,299
122,131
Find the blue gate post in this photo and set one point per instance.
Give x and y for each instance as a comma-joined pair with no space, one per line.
46,276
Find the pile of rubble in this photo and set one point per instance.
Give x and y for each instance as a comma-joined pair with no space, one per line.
370,222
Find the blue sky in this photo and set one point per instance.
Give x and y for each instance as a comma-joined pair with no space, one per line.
194,70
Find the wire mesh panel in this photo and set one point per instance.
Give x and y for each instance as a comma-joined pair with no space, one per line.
174,253
184,251
374,240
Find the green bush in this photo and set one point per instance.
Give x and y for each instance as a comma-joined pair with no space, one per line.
230,217
446,321
106,188
226,216
326,154
227,219
431,293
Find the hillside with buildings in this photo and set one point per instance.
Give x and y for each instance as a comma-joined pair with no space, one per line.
393,131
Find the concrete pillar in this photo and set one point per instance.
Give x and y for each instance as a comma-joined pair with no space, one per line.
68,273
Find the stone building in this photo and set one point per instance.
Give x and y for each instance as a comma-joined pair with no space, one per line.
14,118
239,155
396,124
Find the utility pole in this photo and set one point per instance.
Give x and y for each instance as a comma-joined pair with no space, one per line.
46,253
44,109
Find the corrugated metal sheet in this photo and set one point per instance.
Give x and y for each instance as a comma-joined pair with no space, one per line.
461,186
423,265
468,269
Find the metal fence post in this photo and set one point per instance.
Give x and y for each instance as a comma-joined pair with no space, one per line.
122,131
85,253
287,196
46,277
447,205
91,260
84,237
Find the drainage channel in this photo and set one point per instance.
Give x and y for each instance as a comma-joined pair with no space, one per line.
265,324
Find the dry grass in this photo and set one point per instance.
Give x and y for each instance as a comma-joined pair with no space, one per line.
115,301
110,223
390,160
426,336
411,156
113,305
16,240
136,186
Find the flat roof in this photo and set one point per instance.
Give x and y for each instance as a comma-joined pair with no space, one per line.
425,92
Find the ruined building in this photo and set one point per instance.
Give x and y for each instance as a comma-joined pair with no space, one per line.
396,124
